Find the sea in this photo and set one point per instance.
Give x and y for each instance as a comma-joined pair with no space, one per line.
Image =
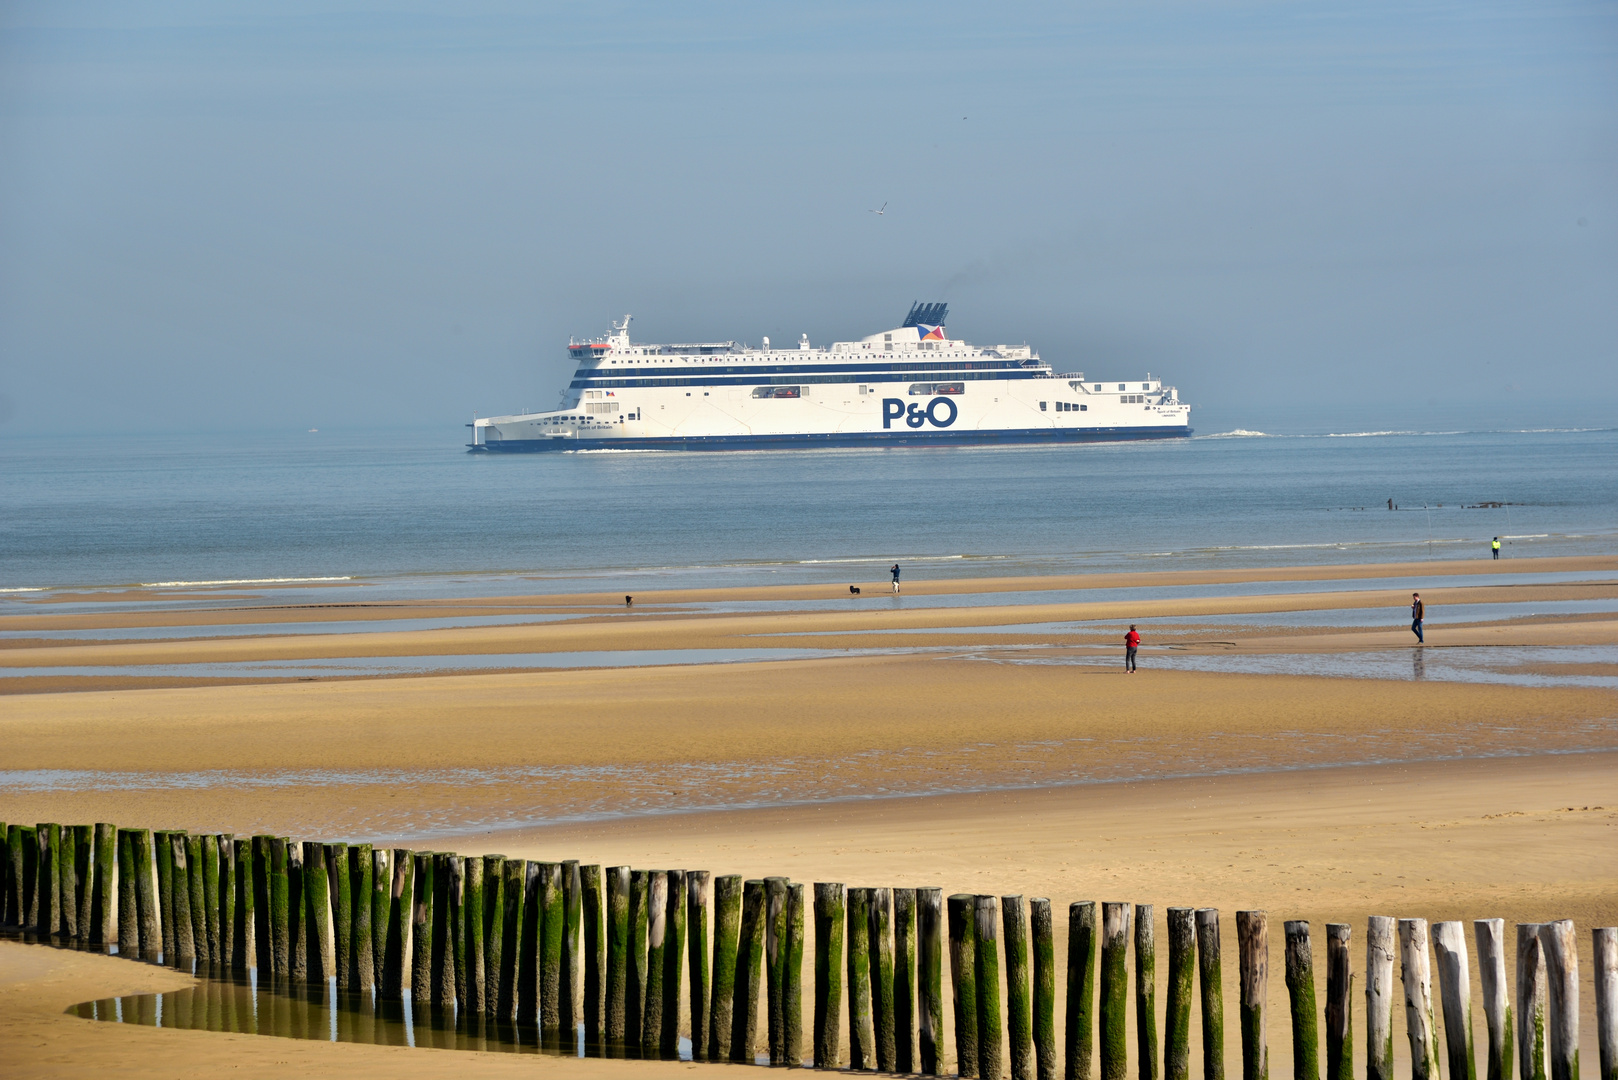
410,513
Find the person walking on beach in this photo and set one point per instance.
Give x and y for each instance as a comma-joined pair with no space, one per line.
1495,547
1417,612
1131,643
895,573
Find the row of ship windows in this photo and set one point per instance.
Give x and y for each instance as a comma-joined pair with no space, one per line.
777,380
766,369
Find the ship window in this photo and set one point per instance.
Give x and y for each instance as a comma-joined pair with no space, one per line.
1098,386
1041,406
1121,386
1084,408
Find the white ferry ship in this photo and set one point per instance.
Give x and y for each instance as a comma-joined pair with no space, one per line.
912,385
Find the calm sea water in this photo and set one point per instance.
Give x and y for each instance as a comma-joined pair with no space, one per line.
413,513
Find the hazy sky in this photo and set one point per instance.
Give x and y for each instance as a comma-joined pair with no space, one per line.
295,215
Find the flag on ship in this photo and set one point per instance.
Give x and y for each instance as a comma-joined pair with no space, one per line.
930,333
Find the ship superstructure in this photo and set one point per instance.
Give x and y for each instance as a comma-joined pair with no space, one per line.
909,385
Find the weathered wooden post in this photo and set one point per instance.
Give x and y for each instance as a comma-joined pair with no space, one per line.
1300,978
48,836
333,860
28,835
279,912
260,884
1416,974
572,993
1380,947
640,898
1044,1006
196,879
904,979
1253,943
986,965
491,914
455,959
930,936
793,1018
1019,1009
1082,943
1455,994
673,964
513,946
361,961
553,924
963,980
651,1027
320,911
1557,942
617,985
749,973
422,943
387,877
861,1026
128,906
727,907
1182,930
103,891
1339,1017
148,905
206,848
1531,995
591,906
83,880
698,892
185,944
245,916
227,899
533,936
775,916
1491,939
879,931
1114,990
1145,992
65,858
829,902
1605,943
18,878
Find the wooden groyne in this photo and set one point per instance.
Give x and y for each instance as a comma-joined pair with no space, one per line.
622,961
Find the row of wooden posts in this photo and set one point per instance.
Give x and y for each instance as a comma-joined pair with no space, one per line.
566,945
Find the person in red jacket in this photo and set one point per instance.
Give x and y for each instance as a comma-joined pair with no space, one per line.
1131,643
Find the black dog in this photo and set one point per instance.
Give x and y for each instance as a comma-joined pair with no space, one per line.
853,590
629,601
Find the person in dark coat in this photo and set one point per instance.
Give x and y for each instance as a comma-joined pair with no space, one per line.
895,573
1418,611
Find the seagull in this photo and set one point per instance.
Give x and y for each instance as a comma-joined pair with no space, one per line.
884,210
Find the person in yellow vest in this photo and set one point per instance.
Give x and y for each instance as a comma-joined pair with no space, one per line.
1495,547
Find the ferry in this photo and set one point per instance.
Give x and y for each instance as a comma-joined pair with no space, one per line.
913,385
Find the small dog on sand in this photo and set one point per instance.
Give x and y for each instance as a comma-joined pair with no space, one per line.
629,601
853,590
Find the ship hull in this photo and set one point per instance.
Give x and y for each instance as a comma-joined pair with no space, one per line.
802,440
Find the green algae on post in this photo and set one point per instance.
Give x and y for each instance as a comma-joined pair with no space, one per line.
1145,992
904,979
129,943
591,906
321,912
422,942
1044,1007
1114,990
861,1030
699,892
279,910
930,979
384,911
986,959
964,980
196,881
651,1028
615,991
1300,978
1210,976
1081,989
572,912
727,908
244,914
1253,946
749,974
673,964
1182,931
207,851
514,893
1019,1009
793,1018
775,905
361,960
879,918
491,913
472,916
553,927
105,892
185,944
829,904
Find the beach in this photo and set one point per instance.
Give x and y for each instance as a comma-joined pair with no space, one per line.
976,736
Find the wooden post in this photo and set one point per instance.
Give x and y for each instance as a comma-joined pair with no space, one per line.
1019,1009
986,963
1114,990
1380,947
207,850
1557,942
196,880
1339,1017
1145,992
640,888
749,973
533,937
1182,929
390,921
245,918
930,935
320,911
592,904
861,1026
513,894
454,995
476,915
698,893
572,993
29,837
422,892
185,943
775,916
727,917
444,925
1300,978
1455,994
673,963
1253,942
550,961
260,884
493,915
617,984
103,891
829,902
651,1027
879,930
17,878
904,979
1605,943
1044,1011
340,895
1416,974
1082,943
279,910
354,863
48,878
1491,938
793,988
964,980
163,861
65,857
84,847
1531,994
128,907
227,900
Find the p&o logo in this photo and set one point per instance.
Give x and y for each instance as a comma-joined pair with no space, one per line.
939,412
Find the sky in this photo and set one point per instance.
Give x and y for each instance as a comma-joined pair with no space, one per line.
1305,215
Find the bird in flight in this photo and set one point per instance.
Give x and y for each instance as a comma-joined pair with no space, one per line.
884,210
